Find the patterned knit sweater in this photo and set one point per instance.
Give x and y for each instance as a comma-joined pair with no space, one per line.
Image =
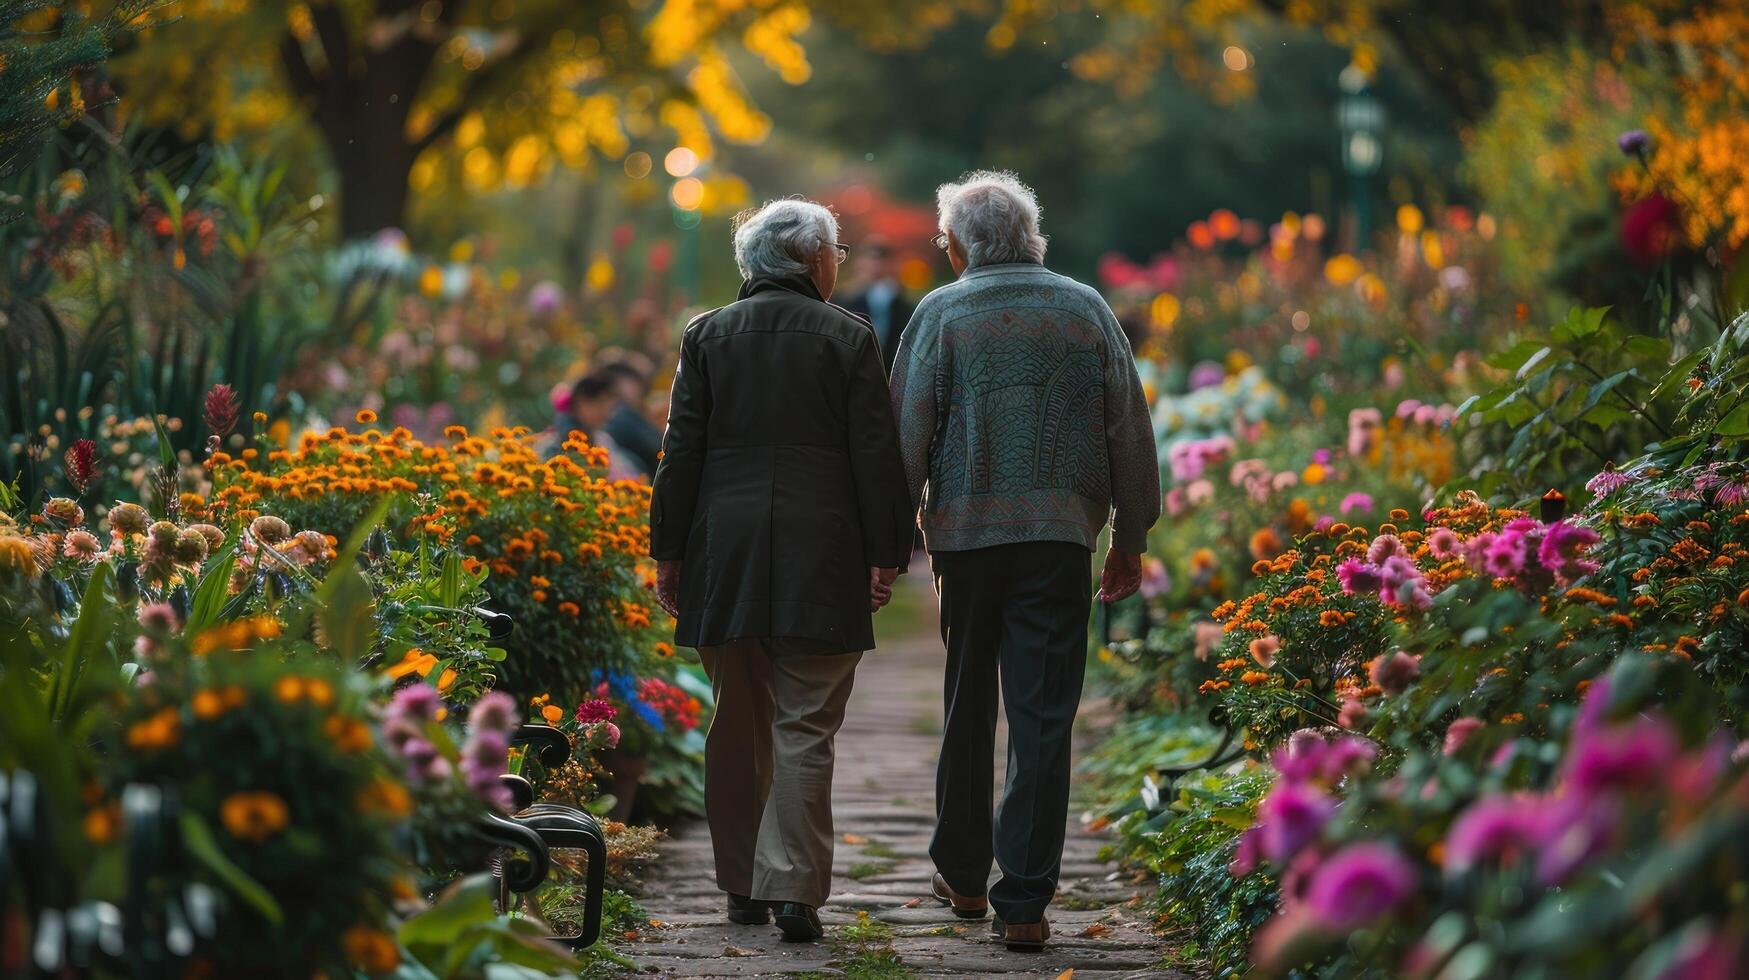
1021,417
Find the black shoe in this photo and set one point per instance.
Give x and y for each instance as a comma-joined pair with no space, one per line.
744,911
800,923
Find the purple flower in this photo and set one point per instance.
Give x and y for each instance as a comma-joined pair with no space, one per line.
418,701
1358,884
545,298
1624,757
1574,832
1358,577
1503,555
487,749
1244,855
1322,456
1356,501
494,712
1608,481
1155,581
1494,828
1206,374
1634,143
1562,548
1289,818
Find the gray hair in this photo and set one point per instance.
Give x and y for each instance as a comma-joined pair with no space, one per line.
994,217
782,237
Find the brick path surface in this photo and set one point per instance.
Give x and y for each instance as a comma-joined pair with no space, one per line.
883,804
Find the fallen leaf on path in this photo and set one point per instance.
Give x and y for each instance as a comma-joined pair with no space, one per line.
913,903
741,951
1066,974
1095,931
855,839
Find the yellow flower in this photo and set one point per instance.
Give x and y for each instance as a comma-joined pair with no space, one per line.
1314,474
366,417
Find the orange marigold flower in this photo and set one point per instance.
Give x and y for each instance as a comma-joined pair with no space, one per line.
253,816
1330,618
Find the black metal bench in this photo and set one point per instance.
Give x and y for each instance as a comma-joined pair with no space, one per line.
535,829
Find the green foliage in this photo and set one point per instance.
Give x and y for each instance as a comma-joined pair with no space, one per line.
1190,845
1586,394
461,937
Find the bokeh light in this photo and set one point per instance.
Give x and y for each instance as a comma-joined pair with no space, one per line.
680,162
637,165
687,194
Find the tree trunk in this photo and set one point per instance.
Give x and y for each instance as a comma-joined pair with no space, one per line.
373,161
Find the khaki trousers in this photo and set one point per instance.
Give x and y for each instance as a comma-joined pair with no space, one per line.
768,766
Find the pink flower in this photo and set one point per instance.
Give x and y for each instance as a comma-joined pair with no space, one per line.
1353,714
1494,829
1621,758
595,711
1356,501
1363,430
1155,581
415,701
82,545
1459,732
1358,884
1444,544
1394,672
1608,481
1382,547
1358,577
1263,649
1174,502
612,730
1199,492
1562,548
159,617
495,711
1289,818
1503,557
1574,832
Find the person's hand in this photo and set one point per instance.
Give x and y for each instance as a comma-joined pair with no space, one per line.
668,587
880,587
1122,576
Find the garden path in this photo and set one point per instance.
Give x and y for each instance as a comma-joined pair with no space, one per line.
883,803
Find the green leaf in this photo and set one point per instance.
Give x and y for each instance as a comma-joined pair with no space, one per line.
166,454
200,842
1512,358
449,582
1677,375
346,612
1735,424
466,903
1580,324
88,637
210,595
1604,387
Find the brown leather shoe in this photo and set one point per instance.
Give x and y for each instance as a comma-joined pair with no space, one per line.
1026,937
964,906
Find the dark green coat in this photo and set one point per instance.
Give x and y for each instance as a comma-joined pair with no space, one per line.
780,482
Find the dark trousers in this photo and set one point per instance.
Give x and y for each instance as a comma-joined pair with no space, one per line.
1018,611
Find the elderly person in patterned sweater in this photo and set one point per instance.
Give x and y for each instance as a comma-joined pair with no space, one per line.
1024,430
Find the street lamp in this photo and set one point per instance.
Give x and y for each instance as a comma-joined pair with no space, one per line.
1361,119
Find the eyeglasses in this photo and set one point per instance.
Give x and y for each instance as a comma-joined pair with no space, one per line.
843,251
940,241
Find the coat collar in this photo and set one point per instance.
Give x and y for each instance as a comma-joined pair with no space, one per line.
975,271
794,284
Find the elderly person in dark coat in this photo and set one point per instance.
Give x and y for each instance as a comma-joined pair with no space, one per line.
779,518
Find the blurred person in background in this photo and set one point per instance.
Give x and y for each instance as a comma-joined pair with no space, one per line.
628,424
881,300
587,407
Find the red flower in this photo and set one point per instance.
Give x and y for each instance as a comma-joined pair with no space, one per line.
81,460
1650,229
221,409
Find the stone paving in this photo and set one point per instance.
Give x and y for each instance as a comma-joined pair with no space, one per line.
884,804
